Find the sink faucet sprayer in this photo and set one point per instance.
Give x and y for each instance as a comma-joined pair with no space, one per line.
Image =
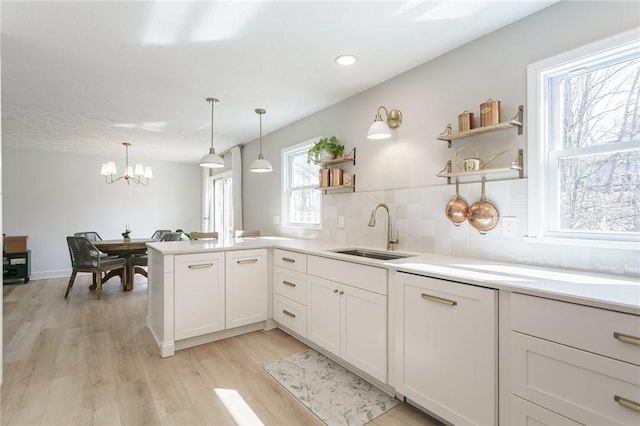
372,222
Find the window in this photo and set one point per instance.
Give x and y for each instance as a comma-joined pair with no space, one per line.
220,205
301,202
584,144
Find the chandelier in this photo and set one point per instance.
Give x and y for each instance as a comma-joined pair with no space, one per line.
131,174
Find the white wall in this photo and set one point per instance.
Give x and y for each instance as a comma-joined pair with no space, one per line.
401,171
49,195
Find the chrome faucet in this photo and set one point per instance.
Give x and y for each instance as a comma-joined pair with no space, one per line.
372,222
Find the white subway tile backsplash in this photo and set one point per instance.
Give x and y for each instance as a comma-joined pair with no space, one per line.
418,214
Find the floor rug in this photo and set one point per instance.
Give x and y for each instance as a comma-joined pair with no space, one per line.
334,394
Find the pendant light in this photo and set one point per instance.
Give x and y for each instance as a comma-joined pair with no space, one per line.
212,160
261,165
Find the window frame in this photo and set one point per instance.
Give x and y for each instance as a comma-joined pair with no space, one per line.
538,164
285,195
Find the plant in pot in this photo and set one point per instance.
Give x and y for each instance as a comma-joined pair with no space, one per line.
325,149
125,234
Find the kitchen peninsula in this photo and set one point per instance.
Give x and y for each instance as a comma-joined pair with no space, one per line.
551,325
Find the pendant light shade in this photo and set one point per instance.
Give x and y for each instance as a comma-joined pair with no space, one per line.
261,165
212,160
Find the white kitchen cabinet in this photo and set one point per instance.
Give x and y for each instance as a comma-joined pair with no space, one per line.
199,299
447,337
290,290
346,320
246,287
577,361
525,413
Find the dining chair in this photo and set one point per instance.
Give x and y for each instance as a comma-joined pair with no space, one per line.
142,260
83,259
241,233
160,233
89,235
203,235
171,236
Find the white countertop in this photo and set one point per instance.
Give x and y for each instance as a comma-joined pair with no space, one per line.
607,291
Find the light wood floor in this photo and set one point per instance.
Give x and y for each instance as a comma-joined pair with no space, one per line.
82,361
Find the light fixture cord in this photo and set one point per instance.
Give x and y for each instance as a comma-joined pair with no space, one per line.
212,103
260,135
126,160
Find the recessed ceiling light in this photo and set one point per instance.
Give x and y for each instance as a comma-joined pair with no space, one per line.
346,60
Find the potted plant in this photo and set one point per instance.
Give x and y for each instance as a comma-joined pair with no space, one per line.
126,233
183,235
325,149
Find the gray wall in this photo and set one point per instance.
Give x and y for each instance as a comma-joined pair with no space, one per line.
430,96
49,195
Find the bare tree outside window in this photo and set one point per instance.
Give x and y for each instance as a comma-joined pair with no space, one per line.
597,147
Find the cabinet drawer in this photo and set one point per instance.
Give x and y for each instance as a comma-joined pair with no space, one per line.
290,284
290,314
361,276
290,260
525,413
574,383
582,327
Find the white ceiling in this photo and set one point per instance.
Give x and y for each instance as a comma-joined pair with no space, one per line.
86,76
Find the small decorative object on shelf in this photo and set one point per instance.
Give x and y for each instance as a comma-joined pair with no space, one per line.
125,234
489,113
325,149
465,121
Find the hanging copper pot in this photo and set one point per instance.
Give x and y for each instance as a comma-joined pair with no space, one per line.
483,215
456,209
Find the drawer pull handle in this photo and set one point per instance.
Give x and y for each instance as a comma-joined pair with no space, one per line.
247,261
627,338
289,314
288,259
335,290
439,299
289,283
201,265
627,403
341,292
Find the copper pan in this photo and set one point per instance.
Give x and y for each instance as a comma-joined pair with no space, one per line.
456,209
483,215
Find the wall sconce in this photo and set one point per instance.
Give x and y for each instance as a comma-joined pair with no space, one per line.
212,160
261,165
381,130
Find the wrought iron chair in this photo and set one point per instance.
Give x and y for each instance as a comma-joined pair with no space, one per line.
89,235
171,236
160,233
84,259
142,260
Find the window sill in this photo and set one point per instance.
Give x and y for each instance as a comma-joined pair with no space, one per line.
619,245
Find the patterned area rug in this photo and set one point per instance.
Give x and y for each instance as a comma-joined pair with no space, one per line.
334,394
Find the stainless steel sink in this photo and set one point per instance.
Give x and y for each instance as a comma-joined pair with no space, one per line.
373,254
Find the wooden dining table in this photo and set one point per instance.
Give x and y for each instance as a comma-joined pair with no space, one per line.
127,250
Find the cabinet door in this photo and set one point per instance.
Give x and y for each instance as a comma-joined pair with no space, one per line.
449,349
364,330
198,294
525,413
323,313
246,287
